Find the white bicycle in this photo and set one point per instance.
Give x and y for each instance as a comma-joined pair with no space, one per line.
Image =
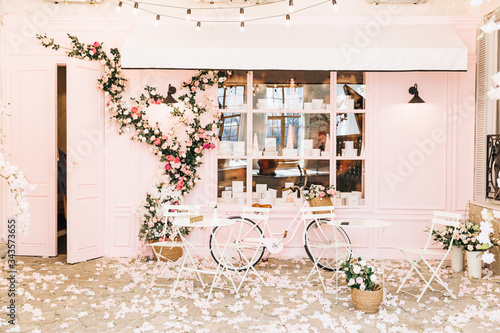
246,242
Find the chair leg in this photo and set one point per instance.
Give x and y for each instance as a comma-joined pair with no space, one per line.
408,275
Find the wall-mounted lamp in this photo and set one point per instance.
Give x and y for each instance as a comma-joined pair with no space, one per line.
170,99
414,91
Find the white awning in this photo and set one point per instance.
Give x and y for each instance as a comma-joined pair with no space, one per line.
298,47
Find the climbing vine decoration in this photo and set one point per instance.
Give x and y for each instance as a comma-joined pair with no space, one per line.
192,130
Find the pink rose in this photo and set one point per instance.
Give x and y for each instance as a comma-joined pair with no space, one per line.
164,146
196,83
193,88
177,160
170,157
157,142
158,101
478,246
470,247
362,287
321,194
331,192
96,44
205,145
93,50
359,280
134,110
189,143
167,166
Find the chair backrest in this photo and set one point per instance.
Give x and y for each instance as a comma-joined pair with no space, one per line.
446,219
310,213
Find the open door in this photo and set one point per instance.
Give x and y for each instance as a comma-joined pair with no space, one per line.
85,161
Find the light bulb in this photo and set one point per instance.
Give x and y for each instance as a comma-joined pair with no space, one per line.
136,8
188,15
198,26
157,21
242,26
242,14
335,5
119,7
288,20
290,6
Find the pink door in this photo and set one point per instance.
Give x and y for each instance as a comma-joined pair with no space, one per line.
31,134
85,142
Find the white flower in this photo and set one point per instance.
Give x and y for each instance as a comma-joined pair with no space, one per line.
475,3
362,262
486,214
373,278
356,269
488,257
490,26
494,93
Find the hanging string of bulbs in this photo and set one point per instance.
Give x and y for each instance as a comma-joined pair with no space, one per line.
189,11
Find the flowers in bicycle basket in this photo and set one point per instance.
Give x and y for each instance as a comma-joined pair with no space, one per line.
359,275
319,191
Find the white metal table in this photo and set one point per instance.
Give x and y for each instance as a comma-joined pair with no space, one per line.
189,264
362,223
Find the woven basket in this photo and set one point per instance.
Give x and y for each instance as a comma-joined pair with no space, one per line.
168,253
367,301
321,202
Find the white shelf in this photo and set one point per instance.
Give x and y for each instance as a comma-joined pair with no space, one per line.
292,110
326,158
337,111
354,158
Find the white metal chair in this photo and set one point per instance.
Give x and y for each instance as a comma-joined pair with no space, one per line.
322,213
439,219
180,211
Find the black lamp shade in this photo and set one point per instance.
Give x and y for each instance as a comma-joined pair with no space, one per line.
170,99
414,91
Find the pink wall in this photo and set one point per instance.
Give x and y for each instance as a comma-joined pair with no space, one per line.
440,178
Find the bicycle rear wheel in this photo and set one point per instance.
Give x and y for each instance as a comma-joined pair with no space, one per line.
243,246
321,247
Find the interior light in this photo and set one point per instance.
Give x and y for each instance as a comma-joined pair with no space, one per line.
242,26
288,20
188,15
136,8
119,7
198,26
157,21
290,5
414,91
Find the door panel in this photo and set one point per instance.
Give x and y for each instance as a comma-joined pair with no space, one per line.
85,132
32,145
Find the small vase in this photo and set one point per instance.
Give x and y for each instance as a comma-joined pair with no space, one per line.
457,258
474,264
367,301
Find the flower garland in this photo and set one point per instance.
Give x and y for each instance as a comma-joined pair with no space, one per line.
18,183
180,147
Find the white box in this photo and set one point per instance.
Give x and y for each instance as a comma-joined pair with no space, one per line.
239,148
308,106
255,195
316,152
257,153
325,153
227,194
289,152
240,195
352,200
270,153
241,201
338,202
274,193
261,188
307,144
270,143
307,152
237,187
356,194
344,195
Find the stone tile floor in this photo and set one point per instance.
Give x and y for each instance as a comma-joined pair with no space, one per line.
114,295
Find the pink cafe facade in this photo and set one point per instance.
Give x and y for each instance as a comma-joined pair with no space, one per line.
334,83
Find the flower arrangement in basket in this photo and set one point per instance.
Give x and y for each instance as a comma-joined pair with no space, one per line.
319,195
366,293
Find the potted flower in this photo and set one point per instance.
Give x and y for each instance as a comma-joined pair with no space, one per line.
366,294
477,240
444,237
319,195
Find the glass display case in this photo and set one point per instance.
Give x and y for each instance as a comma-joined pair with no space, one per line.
287,128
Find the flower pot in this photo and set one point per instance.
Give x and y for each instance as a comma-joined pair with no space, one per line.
367,301
474,264
457,258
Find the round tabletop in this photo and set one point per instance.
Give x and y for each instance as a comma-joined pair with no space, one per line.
360,223
206,223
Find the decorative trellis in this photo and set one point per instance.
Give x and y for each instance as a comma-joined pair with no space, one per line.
493,167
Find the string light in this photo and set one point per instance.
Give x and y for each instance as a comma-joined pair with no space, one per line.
335,5
242,14
188,15
287,20
290,6
198,26
119,7
242,26
136,8
157,21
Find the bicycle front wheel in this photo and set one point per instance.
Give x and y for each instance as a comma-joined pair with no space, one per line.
327,245
238,245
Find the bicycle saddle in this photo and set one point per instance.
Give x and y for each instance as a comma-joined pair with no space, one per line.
262,206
